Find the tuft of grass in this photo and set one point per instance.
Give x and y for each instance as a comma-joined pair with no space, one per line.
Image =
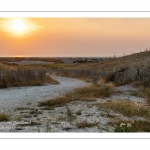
48,128
35,112
69,114
62,118
21,108
56,102
147,94
4,117
18,118
33,123
70,117
85,124
126,108
137,84
108,115
79,112
101,90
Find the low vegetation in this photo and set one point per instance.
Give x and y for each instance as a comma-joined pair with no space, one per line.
126,108
125,61
90,92
85,124
4,117
56,102
131,126
35,112
69,114
79,112
84,93
120,70
147,94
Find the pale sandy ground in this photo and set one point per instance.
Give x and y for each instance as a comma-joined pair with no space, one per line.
56,120
16,97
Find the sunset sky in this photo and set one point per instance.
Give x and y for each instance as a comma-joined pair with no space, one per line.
73,37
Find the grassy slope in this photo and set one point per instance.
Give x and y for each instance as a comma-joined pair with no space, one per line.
134,60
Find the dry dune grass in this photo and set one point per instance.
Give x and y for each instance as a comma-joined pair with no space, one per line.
85,124
10,66
5,66
147,94
126,108
99,91
115,63
88,93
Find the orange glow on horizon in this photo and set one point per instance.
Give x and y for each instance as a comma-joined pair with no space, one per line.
19,56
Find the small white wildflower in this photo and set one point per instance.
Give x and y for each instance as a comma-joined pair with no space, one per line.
122,124
129,125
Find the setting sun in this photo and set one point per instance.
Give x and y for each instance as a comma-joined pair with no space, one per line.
18,25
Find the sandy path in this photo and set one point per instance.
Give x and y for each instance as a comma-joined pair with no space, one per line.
17,97
57,119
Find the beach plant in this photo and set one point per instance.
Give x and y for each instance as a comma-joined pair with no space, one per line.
147,94
85,124
69,114
126,108
4,117
48,128
131,126
79,112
